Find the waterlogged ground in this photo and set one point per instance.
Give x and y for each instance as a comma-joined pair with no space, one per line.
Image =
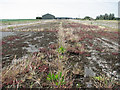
37,25
23,43
90,51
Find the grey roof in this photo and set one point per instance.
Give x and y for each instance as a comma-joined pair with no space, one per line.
47,14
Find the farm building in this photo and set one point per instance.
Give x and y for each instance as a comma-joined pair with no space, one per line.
48,16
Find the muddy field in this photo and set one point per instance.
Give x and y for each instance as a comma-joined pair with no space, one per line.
89,51
25,43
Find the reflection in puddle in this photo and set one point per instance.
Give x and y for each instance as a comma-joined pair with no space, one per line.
88,72
5,34
31,48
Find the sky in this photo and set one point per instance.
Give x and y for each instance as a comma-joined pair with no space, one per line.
30,9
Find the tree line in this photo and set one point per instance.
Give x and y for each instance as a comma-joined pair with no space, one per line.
106,17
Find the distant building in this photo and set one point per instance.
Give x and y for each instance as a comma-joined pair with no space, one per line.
48,16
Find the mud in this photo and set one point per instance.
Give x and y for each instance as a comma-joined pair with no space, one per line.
91,51
24,43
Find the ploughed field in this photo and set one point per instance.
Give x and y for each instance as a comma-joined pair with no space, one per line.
60,54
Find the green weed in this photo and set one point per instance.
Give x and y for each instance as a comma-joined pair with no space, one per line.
61,50
57,79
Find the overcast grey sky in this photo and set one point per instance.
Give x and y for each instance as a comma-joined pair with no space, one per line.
30,9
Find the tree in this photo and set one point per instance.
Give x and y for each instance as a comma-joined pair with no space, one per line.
101,17
111,17
87,18
38,17
97,18
106,17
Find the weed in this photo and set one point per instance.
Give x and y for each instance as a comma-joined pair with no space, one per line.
104,81
11,28
57,79
61,50
78,85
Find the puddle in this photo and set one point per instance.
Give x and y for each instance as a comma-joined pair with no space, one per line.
30,26
26,42
88,72
99,63
31,48
5,34
111,41
6,26
105,44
